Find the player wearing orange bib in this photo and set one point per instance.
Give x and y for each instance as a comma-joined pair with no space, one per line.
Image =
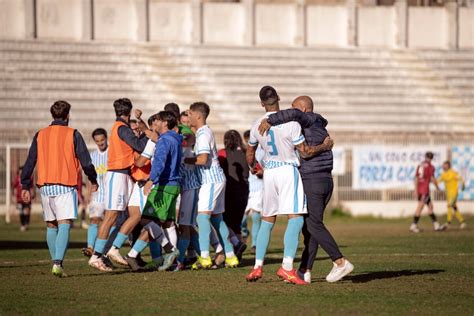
119,183
57,151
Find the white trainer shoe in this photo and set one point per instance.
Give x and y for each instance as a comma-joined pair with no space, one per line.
114,255
414,228
307,277
98,264
338,272
462,226
439,227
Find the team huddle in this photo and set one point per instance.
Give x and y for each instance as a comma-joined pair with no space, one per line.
161,185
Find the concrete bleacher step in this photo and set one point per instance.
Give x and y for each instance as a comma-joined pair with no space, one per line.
356,89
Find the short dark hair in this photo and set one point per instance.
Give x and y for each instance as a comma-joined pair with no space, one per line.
429,155
123,107
233,140
268,95
184,113
168,117
447,162
201,107
247,134
132,121
99,131
60,110
173,108
151,119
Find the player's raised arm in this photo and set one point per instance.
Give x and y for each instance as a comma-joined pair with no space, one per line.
307,151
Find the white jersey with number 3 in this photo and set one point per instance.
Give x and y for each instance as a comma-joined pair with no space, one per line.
278,143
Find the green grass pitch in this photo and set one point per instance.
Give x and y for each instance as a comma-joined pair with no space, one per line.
396,272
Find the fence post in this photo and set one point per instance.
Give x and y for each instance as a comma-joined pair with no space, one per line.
8,184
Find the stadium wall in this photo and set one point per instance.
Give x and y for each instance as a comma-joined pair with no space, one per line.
240,24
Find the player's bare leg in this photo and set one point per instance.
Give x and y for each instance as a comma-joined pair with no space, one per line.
414,226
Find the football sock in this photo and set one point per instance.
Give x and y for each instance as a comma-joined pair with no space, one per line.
433,217
449,214
292,235
459,216
204,224
195,243
92,235
183,244
244,226
62,241
221,227
287,263
27,218
172,235
416,219
155,250
138,247
99,246
51,234
22,219
256,221
119,240
263,240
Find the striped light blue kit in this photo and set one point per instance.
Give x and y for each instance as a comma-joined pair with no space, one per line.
55,190
99,160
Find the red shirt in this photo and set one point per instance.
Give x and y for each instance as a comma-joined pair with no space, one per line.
424,172
17,187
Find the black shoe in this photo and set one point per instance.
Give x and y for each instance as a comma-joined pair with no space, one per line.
142,263
189,261
133,263
239,250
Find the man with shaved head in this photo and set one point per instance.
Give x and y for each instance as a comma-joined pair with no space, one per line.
318,185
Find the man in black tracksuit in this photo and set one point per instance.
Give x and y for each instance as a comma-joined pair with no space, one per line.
318,185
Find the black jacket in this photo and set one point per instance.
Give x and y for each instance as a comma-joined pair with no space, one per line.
314,130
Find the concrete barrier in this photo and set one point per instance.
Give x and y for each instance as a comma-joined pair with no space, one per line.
60,19
224,23
466,28
275,24
326,25
120,20
427,28
12,19
171,22
377,26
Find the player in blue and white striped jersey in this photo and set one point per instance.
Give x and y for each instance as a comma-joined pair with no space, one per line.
211,203
97,199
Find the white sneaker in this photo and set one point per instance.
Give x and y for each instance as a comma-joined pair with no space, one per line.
307,277
98,264
114,255
462,226
338,273
414,228
438,227
168,260
84,225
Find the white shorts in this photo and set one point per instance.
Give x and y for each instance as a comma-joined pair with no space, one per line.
138,198
188,207
255,202
60,207
212,198
283,192
118,188
96,209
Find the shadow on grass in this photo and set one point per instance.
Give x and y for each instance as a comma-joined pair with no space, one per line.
379,275
27,244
